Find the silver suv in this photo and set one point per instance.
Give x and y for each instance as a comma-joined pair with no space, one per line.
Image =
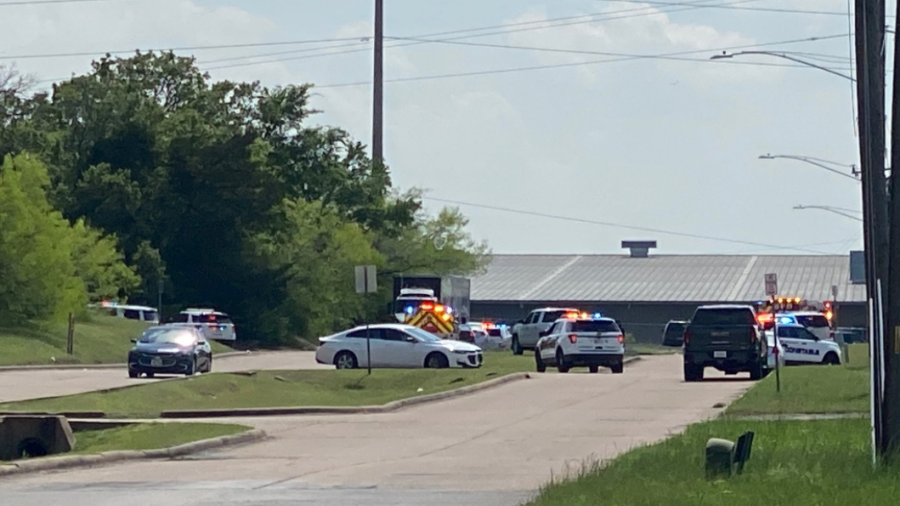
527,332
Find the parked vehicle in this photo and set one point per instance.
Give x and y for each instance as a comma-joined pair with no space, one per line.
801,346
395,345
215,325
726,337
526,333
581,342
436,304
170,349
673,334
130,312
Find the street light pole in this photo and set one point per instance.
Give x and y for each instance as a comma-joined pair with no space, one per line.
836,210
784,56
818,162
378,87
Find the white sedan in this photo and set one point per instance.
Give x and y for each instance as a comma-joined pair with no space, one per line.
395,345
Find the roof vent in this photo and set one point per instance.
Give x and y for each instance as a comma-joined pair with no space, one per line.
639,249
858,267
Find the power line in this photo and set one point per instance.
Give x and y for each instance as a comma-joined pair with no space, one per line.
619,225
669,56
737,8
44,2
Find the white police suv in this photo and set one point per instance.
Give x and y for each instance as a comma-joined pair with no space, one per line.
803,347
580,340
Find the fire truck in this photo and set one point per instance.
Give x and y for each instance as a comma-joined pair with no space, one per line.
437,304
802,309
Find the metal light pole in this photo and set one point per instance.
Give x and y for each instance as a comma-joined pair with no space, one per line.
784,56
378,88
818,162
836,210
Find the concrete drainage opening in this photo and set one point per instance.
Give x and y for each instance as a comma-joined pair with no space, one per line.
29,448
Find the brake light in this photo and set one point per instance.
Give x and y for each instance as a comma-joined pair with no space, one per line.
687,336
621,339
573,338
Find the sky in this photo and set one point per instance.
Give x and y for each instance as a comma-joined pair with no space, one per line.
669,146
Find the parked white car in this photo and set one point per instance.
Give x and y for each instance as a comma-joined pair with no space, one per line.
814,322
803,347
526,333
214,324
495,338
395,345
581,342
772,345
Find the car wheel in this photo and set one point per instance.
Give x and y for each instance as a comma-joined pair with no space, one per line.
692,372
345,360
539,362
831,359
594,369
516,347
437,360
208,366
192,369
756,372
149,374
133,374
618,368
561,364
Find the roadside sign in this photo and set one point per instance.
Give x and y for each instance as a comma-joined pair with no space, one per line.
366,280
834,292
771,284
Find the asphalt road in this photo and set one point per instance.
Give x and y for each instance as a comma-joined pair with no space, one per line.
20,385
489,449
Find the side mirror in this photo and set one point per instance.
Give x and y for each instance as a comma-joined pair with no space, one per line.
134,341
411,339
544,333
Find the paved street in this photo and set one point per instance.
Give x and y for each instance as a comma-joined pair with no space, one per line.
19,385
492,448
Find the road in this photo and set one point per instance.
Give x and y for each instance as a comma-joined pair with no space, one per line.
489,449
20,385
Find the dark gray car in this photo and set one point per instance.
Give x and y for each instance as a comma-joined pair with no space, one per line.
170,349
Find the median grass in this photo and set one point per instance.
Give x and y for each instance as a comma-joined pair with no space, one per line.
150,436
269,389
811,389
100,340
821,463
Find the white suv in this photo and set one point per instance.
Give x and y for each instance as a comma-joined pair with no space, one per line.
215,325
803,347
814,322
526,333
573,342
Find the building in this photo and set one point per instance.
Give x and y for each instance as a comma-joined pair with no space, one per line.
644,291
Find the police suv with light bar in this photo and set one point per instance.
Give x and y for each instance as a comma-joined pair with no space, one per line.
581,340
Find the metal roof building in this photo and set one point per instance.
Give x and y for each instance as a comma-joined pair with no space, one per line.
648,290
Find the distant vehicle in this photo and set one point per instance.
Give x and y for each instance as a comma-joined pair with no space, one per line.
526,333
850,335
801,346
497,337
395,345
814,321
726,337
436,304
214,324
581,342
170,349
673,334
130,312
472,332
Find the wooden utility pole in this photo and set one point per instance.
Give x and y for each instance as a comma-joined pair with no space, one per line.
378,88
892,330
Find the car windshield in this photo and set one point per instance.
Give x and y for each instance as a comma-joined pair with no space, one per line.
675,329
221,319
180,337
422,335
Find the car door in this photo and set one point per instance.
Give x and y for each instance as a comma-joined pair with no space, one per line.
808,345
799,344
398,351
548,343
528,332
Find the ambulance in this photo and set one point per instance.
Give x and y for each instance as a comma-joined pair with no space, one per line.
815,316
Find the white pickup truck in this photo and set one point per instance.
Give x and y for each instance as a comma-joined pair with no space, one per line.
527,332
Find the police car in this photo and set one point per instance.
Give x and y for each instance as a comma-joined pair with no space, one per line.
814,321
803,347
579,340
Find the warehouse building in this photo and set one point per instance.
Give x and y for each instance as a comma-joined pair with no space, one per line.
645,290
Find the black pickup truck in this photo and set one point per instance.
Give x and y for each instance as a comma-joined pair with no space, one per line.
726,337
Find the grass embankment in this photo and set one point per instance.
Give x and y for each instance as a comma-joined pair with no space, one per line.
102,340
812,389
150,436
820,463
272,389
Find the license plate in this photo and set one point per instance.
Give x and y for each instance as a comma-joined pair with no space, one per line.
156,362
720,354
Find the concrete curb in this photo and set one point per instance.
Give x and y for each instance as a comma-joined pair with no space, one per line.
73,461
99,367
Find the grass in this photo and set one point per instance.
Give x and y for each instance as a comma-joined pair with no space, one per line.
821,463
102,340
812,389
150,436
268,389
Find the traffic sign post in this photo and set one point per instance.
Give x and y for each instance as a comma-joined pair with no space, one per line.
771,291
771,284
366,282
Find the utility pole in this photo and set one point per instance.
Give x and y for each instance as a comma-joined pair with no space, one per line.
378,88
892,334
870,30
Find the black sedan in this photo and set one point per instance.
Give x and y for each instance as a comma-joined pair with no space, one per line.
170,349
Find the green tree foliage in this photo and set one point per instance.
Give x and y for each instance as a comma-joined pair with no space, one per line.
225,193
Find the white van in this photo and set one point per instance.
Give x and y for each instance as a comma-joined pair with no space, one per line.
214,324
139,313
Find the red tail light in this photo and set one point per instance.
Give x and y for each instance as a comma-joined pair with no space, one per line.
573,338
621,339
687,336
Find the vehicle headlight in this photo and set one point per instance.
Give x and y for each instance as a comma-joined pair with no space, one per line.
462,352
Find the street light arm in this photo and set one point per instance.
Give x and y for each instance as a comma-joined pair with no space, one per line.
786,57
811,162
831,210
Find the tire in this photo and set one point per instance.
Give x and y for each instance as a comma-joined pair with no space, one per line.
515,346
436,360
149,374
208,366
618,368
345,360
539,362
561,364
193,368
594,369
756,372
831,358
692,373
133,374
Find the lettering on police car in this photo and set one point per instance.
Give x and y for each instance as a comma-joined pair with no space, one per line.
801,351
